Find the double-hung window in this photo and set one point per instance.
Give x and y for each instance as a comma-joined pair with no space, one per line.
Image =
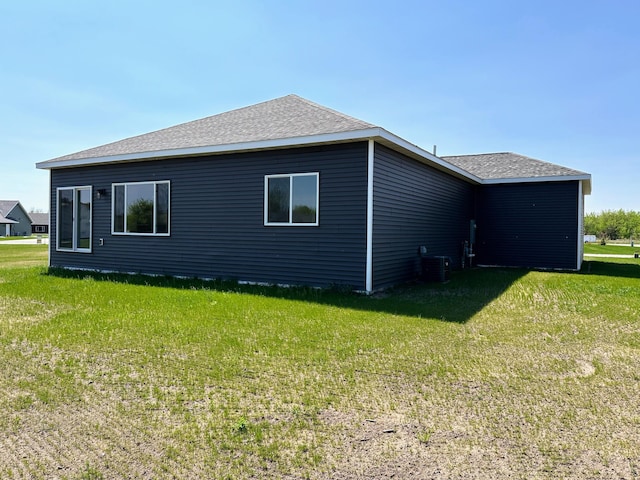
73,226
140,208
291,199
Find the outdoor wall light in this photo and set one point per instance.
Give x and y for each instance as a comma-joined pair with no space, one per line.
102,192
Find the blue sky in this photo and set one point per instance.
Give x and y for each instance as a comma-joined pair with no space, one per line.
554,80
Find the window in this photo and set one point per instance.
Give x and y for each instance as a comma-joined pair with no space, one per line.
74,219
291,199
140,208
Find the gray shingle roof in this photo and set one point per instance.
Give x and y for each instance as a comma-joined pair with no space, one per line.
6,206
293,121
39,218
493,166
4,220
285,117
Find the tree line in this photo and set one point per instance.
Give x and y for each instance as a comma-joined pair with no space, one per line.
613,224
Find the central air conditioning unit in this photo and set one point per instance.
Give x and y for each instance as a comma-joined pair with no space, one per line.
435,268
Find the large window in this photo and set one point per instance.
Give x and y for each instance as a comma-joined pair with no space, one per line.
73,231
291,199
140,208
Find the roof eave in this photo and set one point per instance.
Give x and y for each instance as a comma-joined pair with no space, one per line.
213,149
377,133
584,178
411,150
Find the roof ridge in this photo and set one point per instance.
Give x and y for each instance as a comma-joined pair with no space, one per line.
284,117
479,154
326,109
492,166
8,205
181,124
197,120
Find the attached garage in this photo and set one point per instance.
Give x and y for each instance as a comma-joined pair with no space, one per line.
529,213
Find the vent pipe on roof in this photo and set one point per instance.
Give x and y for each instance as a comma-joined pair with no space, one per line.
434,149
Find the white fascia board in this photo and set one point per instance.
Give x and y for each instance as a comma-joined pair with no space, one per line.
375,133
215,149
424,154
585,180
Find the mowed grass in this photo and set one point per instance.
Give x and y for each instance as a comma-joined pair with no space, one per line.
499,373
611,249
12,256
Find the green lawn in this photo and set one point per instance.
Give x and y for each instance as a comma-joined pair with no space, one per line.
611,249
496,374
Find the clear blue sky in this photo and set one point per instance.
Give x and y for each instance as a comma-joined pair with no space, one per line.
554,80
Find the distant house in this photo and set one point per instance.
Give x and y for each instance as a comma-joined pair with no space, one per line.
14,218
288,191
5,226
39,223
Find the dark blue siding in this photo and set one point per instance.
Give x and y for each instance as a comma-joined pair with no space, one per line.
415,205
217,226
528,225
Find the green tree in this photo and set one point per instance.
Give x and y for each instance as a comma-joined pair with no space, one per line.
613,224
140,216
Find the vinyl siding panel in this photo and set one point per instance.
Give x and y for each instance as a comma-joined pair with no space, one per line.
415,205
217,215
528,225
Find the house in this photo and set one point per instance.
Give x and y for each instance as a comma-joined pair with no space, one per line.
288,191
14,219
5,226
39,223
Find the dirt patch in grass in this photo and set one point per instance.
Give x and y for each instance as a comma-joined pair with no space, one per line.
25,310
402,447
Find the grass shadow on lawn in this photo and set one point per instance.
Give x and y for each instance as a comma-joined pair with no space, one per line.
465,294
622,268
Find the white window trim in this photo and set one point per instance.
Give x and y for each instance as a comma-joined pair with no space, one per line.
74,241
290,223
155,202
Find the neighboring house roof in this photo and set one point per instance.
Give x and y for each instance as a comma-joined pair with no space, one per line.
39,218
4,220
504,166
283,122
6,206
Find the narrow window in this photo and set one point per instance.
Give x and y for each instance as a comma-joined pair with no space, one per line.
141,208
292,199
74,219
